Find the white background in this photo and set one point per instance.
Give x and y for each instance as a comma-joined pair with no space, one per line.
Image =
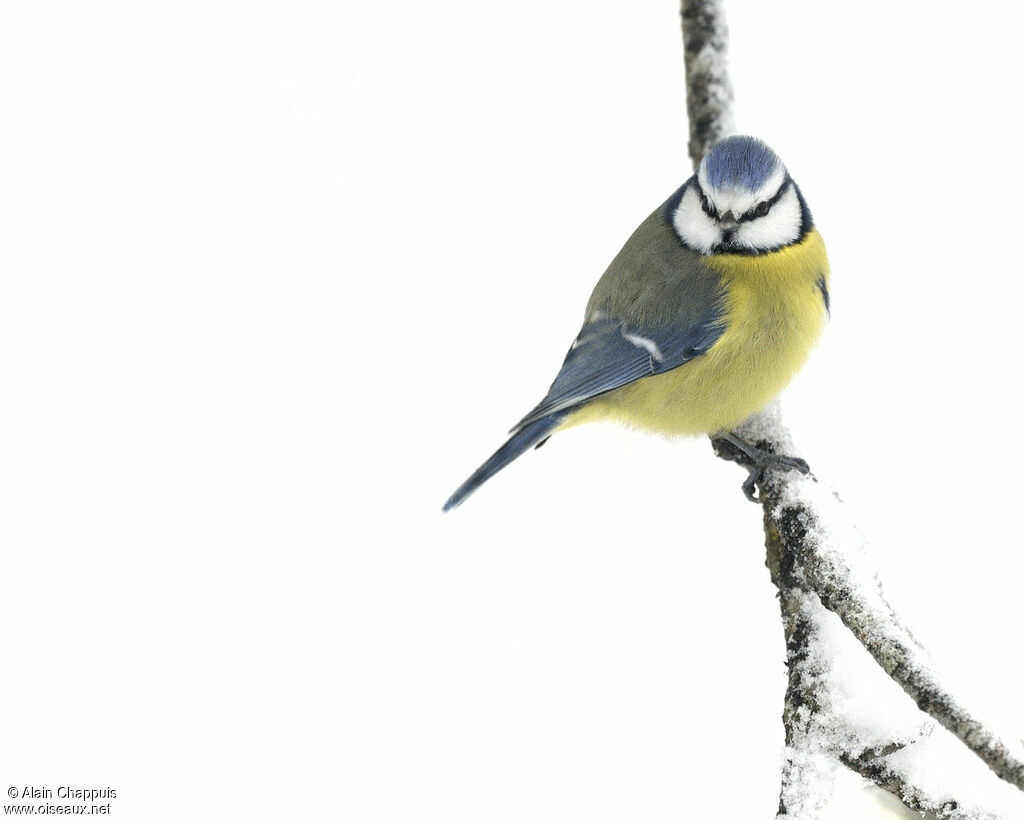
277,276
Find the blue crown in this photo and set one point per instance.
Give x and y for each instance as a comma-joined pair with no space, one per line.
739,162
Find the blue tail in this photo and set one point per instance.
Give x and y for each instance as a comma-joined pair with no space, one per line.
532,434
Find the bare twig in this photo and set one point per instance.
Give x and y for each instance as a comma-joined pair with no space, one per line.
708,90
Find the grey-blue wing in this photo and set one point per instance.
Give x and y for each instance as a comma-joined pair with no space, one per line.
609,353
657,306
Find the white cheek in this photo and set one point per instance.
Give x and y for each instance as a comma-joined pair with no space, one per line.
695,227
779,227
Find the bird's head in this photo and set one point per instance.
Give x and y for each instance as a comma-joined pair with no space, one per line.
741,200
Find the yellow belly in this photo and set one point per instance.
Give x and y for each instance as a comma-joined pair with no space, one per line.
774,314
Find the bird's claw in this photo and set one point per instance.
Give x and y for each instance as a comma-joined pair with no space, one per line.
748,486
789,462
756,471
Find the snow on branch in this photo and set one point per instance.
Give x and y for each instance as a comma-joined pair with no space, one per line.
839,631
825,720
832,605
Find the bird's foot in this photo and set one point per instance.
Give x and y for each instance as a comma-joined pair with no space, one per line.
758,460
756,471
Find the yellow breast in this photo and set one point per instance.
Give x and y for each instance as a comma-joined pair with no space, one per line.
774,314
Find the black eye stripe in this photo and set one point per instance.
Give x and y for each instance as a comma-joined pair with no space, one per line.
705,203
767,205
753,213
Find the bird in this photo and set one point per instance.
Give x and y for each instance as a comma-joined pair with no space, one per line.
711,307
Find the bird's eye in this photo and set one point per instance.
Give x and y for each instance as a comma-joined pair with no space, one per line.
705,203
762,209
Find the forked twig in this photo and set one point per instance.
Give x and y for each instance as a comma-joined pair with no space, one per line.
814,559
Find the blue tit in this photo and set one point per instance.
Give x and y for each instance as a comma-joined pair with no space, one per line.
701,319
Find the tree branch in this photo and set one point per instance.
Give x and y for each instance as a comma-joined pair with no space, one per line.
815,564
879,769
708,90
826,560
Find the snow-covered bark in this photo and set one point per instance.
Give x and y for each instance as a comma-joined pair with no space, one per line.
840,706
852,664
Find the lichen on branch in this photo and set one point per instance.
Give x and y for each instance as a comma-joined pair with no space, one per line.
831,603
